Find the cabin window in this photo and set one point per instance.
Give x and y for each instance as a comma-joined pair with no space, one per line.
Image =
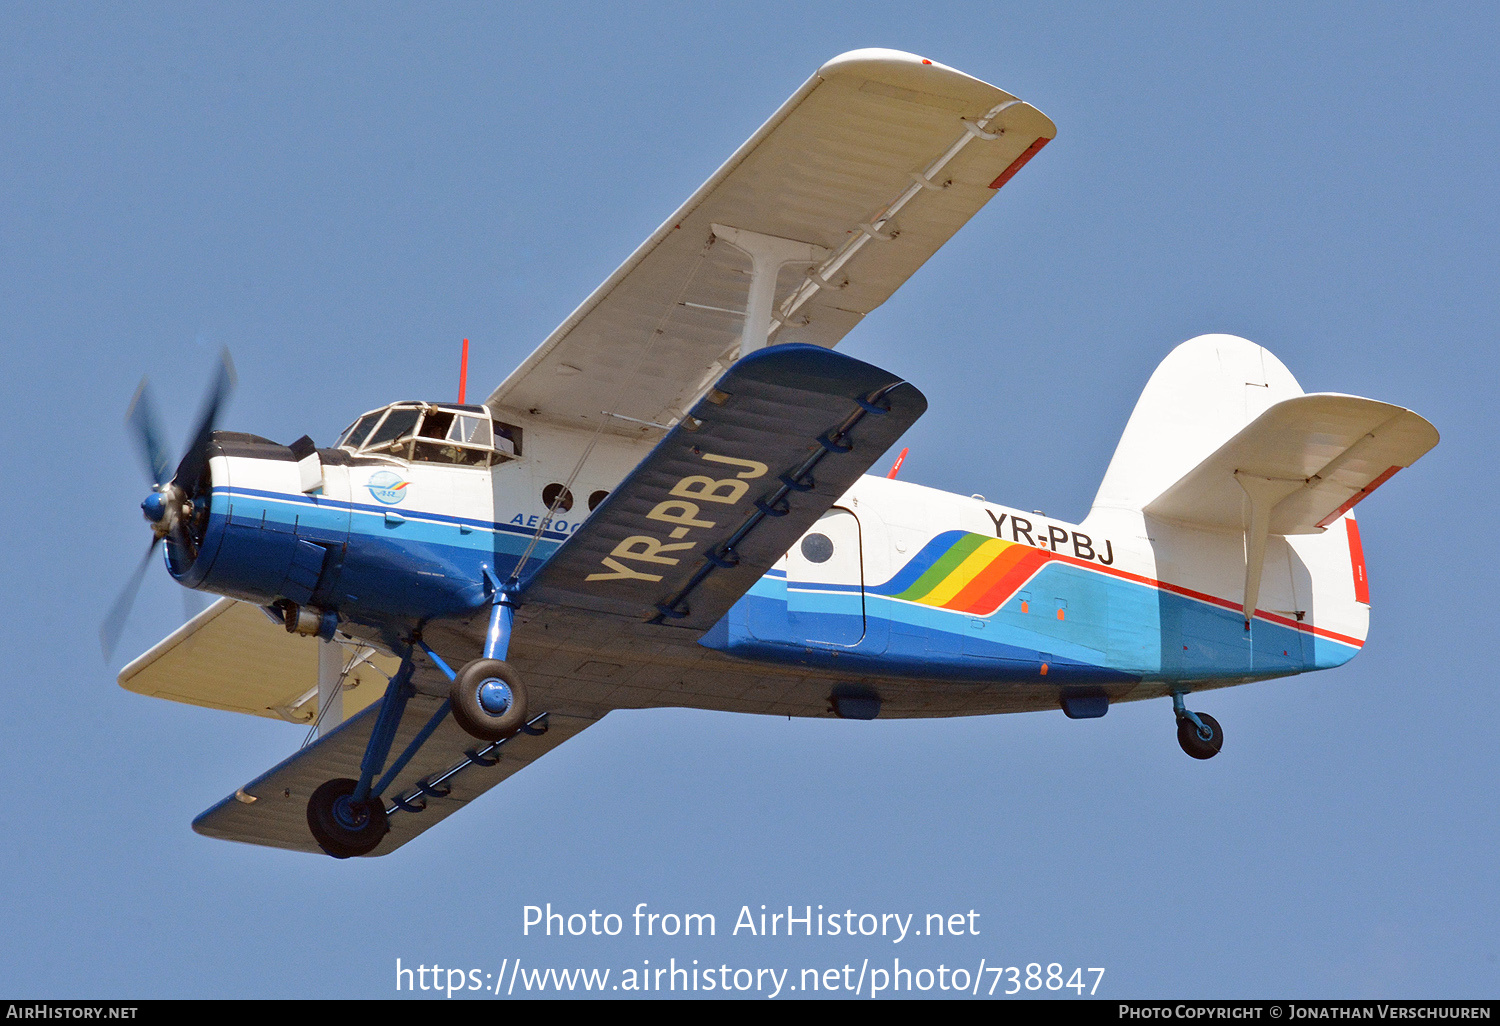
817,548
555,495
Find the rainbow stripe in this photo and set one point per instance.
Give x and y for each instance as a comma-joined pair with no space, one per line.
975,574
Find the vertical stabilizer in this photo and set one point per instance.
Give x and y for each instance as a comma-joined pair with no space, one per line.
1203,393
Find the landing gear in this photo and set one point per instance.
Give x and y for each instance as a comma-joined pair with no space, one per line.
342,826
1199,734
1200,742
487,696
489,701
348,817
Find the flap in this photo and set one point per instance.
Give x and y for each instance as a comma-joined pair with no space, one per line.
839,154
232,656
731,488
1321,453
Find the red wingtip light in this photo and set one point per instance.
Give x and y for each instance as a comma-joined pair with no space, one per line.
1019,163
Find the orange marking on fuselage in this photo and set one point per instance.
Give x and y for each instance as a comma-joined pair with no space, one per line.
970,597
1001,591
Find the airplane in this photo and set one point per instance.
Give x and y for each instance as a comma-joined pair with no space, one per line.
668,504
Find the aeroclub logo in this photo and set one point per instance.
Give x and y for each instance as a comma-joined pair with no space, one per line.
387,487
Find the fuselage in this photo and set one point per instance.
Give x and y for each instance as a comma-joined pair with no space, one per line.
897,581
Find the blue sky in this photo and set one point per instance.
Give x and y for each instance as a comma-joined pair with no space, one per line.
340,193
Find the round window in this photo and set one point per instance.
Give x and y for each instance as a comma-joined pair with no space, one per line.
596,498
817,548
558,494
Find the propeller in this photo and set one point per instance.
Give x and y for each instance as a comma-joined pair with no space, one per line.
170,509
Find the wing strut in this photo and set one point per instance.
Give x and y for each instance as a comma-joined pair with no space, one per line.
768,255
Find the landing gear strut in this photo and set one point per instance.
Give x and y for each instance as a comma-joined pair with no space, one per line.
488,698
1199,734
349,817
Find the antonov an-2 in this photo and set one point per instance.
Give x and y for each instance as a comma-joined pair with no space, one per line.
666,505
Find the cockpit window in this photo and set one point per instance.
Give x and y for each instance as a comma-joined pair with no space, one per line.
431,433
398,423
357,432
447,452
436,424
471,430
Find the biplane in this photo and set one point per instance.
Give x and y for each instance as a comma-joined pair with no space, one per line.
668,504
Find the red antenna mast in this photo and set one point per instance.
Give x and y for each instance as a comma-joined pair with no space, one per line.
463,373
899,460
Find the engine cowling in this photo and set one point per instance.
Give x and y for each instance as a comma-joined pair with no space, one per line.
266,541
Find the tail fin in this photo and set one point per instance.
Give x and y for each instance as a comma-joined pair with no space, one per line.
1202,395
1224,440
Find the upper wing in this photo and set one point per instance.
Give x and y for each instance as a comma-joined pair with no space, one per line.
1322,453
832,179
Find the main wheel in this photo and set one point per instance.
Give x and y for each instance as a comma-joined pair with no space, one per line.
1195,743
345,828
488,700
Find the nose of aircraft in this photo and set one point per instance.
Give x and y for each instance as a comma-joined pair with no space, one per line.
171,492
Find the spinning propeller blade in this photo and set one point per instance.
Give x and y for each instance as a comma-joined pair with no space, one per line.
141,418
169,505
114,623
195,459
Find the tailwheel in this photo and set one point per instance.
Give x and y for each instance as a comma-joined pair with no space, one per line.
1200,743
344,827
488,699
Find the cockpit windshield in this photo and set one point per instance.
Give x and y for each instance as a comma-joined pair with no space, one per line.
397,426
361,427
433,433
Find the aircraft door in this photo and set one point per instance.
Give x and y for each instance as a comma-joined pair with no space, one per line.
825,600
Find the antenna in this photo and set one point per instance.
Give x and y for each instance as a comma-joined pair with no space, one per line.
463,374
897,465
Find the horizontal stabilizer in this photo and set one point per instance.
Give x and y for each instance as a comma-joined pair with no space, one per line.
1309,460
780,437
271,810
